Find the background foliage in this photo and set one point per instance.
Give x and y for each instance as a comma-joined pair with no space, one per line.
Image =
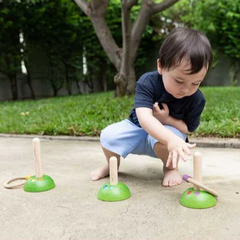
87,115
65,35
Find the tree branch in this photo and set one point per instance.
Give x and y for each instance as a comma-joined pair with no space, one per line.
159,7
126,30
108,43
138,28
97,4
131,3
147,10
84,5
96,10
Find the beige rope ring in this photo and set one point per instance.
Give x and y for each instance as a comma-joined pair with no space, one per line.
8,186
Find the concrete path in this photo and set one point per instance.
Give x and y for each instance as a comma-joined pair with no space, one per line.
72,210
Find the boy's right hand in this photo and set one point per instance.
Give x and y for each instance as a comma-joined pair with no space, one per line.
177,149
162,113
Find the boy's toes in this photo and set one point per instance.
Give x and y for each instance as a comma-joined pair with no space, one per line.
165,183
173,183
171,178
95,177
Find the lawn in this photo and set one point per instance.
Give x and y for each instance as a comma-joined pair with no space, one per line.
86,115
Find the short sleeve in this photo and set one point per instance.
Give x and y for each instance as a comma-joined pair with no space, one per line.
144,96
193,117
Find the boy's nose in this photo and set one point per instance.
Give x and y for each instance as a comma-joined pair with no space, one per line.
184,90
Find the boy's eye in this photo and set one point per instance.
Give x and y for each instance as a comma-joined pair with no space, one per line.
178,81
195,84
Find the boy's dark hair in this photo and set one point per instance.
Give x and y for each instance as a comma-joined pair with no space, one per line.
189,44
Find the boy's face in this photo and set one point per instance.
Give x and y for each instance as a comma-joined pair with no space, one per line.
178,82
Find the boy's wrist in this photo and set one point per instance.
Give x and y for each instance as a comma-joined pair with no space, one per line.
169,137
167,120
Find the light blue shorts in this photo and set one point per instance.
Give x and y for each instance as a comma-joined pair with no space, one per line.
125,137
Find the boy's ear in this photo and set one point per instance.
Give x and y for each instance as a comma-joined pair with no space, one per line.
159,68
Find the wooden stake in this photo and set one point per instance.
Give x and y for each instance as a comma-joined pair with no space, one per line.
37,157
113,172
197,169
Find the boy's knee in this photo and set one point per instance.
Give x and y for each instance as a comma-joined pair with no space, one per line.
107,135
158,146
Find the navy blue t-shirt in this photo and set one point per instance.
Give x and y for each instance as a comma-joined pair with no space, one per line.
150,89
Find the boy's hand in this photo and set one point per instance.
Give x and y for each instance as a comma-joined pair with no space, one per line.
161,114
177,147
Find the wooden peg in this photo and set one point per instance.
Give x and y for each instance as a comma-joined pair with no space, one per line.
37,157
113,172
189,179
197,169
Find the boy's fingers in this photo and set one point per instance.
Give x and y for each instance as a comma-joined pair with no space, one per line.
174,159
164,105
187,148
181,154
169,159
155,106
180,159
191,145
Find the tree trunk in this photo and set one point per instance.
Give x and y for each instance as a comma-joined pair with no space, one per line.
103,77
51,79
29,83
78,86
125,80
55,91
125,85
68,80
89,83
131,83
121,84
123,61
234,70
55,81
29,80
14,88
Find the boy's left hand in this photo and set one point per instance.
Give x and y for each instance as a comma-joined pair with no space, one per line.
177,148
161,114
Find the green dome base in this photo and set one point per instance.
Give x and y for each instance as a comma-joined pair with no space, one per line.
113,193
42,184
197,199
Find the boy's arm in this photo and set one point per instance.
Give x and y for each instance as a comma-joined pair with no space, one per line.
163,116
175,145
178,124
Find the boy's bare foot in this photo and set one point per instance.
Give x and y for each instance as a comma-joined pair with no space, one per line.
171,177
100,173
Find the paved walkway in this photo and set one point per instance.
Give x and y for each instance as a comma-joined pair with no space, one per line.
201,142
72,210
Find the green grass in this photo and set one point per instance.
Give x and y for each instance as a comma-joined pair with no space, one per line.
86,115
83,115
221,116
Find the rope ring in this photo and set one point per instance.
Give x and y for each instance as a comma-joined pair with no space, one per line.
7,183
